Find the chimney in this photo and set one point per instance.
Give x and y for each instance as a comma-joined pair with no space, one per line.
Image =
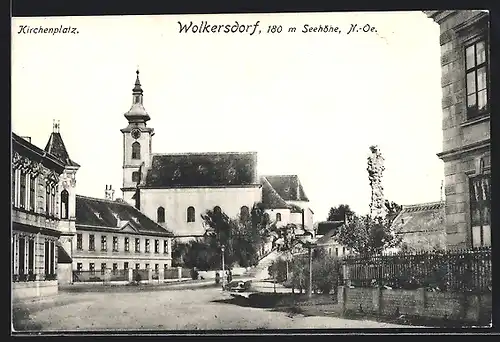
109,193
28,139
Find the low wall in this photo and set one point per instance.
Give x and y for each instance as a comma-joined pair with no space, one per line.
442,305
64,274
237,271
31,289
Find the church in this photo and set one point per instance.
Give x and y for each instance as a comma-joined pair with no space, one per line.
175,189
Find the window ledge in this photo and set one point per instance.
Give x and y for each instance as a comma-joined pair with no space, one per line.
475,120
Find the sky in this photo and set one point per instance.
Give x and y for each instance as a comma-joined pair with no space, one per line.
310,104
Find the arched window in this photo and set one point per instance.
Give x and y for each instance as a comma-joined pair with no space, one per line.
244,212
136,150
22,197
160,215
64,204
47,200
278,217
32,193
53,201
135,176
190,214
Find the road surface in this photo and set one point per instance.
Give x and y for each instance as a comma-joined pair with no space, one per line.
179,308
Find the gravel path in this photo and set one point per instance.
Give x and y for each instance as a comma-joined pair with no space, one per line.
185,309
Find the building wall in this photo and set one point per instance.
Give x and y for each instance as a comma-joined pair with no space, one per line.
85,256
176,202
465,142
333,248
308,215
285,216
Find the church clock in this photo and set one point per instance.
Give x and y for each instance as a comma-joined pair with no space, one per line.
136,134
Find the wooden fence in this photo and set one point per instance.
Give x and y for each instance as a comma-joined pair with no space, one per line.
454,270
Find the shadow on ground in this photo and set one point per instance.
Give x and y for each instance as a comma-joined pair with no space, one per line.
136,288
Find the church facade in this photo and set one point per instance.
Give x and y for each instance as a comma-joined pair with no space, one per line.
176,189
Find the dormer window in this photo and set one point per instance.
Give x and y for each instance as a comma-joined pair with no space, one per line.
98,215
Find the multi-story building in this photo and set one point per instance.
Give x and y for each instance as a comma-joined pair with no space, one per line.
43,184
465,81
111,234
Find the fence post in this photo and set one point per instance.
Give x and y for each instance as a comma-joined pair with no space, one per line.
342,298
161,275
421,297
346,275
107,276
130,275
150,275
179,273
377,300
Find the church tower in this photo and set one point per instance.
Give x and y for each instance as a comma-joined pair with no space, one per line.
136,143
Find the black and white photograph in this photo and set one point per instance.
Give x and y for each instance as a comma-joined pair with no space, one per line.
244,172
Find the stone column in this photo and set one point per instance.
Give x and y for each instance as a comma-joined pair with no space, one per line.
150,275
130,275
161,275
179,273
377,300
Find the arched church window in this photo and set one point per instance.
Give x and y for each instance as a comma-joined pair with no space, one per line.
191,214
136,150
64,204
278,217
160,215
244,212
135,176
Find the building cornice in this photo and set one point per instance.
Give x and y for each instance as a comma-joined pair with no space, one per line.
462,150
86,227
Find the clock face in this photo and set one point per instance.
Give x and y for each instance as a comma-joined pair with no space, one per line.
136,134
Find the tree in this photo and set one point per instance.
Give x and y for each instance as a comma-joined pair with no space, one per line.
340,212
367,236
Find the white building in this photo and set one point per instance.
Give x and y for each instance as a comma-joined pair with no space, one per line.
175,189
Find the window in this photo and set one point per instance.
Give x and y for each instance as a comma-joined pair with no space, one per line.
336,252
115,268
343,250
329,251
127,245
137,266
92,268
46,256
147,266
22,255
165,246
244,212
165,266
22,193
480,206
104,243
52,257
137,245
53,201
278,217
190,214
79,241
146,247
103,268
31,256
157,267
160,215
32,193
115,244
47,200
14,175
79,267
91,242
136,176
157,246
125,265
476,78
64,204
136,150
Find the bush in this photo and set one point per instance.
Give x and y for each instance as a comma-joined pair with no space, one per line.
194,274
138,277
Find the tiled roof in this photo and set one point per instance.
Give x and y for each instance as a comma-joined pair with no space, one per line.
55,146
420,218
202,169
270,197
105,214
62,256
325,227
288,187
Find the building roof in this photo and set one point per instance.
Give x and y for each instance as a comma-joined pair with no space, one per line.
270,197
62,256
288,187
115,215
37,153
326,227
202,170
421,217
55,146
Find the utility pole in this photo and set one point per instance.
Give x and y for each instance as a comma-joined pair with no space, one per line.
223,268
